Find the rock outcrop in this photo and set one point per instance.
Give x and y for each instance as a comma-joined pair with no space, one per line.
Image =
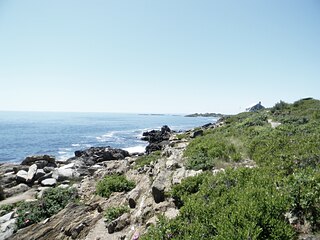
85,220
157,139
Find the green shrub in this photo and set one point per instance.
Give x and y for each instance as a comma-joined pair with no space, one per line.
113,213
203,153
182,136
113,183
237,204
53,200
304,191
4,209
187,187
147,159
280,106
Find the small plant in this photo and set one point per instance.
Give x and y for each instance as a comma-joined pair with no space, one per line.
147,159
113,213
182,136
113,183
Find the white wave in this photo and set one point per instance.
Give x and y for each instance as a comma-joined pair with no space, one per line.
75,145
64,156
136,149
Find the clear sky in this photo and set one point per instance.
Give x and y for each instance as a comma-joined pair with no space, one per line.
168,56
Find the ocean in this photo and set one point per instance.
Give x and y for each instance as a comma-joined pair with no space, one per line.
24,134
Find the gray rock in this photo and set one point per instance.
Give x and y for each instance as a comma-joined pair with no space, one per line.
48,169
65,224
7,229
172,164
178,175
119,224
40,173
133,197
62,174
6,218
50,182
171,213
159,185
8,180
21,188
192,173
46,176
196,133
41,161
32,172
22,176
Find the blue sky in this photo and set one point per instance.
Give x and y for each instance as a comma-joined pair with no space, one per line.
168,56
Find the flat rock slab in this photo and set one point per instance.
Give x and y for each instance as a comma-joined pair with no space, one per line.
28,195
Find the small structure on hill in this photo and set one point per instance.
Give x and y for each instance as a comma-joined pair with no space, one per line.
255,107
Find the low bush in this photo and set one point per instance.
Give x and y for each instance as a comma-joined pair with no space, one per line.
4,209
187,187
203,153
113,213
52,201
113,183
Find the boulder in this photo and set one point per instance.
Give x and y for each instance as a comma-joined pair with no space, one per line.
32,172
40,173
46,176
41,161
8,180
156,138
94,155
172,164
61,174
50,182
119,223
159,186
21,188
196,133
48,169
22,176
133,197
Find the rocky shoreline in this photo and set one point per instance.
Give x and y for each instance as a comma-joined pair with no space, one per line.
27,182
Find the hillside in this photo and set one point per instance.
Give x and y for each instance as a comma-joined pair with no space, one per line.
254,175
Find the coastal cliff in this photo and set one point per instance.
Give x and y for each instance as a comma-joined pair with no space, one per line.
254,175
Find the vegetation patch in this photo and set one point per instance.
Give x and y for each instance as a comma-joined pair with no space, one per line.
147,159
52,201
205,152
252,203
113,183
113,213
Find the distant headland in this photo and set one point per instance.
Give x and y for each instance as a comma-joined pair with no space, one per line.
216,115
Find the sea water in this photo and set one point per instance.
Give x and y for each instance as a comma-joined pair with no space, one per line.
60,134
